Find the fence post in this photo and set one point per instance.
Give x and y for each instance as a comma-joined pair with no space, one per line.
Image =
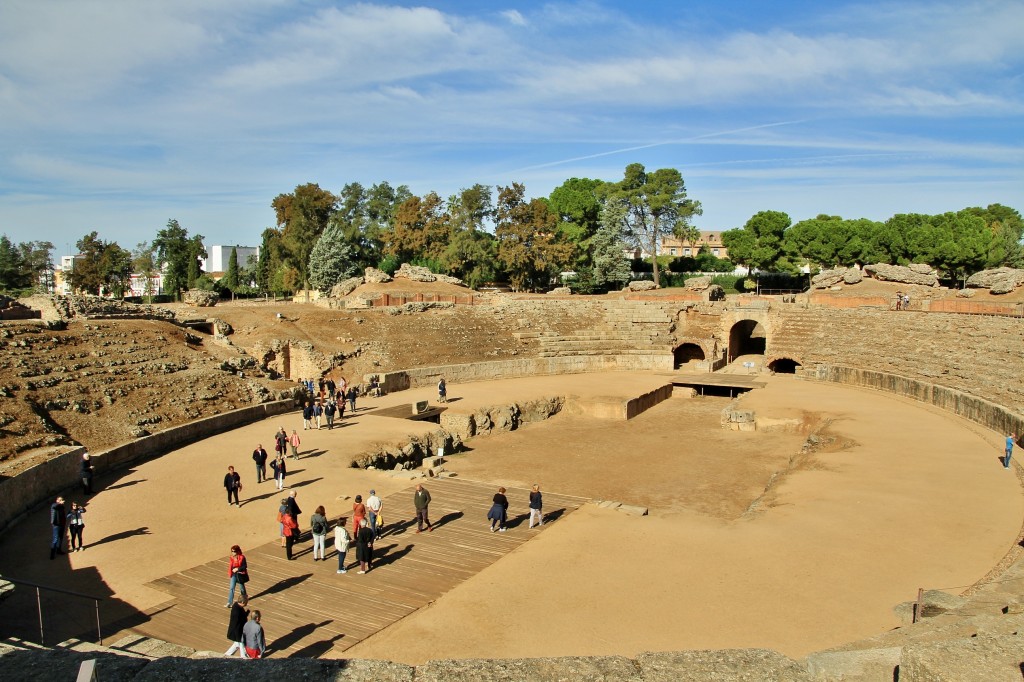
917,605
39,608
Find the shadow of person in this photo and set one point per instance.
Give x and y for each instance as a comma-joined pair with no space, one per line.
293,637
385,555
398,527
144,530
305,483
517,520
257,498
548,517
316,649
126,484
282,585
448,518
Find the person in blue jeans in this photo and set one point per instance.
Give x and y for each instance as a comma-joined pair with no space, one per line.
1009,450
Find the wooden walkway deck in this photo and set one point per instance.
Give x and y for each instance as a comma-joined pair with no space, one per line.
309,609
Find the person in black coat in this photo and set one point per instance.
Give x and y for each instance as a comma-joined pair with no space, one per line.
232,483
86,472
58,524
364,546
293,509
498,513
259,455
236,623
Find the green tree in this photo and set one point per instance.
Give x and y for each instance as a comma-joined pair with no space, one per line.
101,267
144,263
12,266
656,206
472,256
577,202
610,265
173,250
1006,232
37,263
303,215
331,260
527,246
422,230
230,279
758,244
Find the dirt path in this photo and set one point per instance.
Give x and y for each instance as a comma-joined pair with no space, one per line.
919,501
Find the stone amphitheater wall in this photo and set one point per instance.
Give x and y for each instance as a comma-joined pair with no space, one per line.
508,369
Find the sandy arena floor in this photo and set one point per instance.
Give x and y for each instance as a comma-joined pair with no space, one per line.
747,544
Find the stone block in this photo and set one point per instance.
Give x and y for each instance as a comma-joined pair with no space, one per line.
565,669
633,509
724,665
993,659
866,665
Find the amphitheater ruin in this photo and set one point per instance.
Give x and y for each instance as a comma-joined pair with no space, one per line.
761,487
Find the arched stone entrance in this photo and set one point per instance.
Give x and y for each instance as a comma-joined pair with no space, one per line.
747,337
784,365
687,352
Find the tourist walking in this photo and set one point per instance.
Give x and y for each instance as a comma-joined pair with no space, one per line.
238,574
442,391
341,542
76,524
259,455
340,401
364,547
536,506
374,505
280,470
498,513
352,395
253,637
329,410
58,524
295,442
86,469
307,415
318,528
421,502
291,531
281,441
232,483
318,413
236,623
1009,450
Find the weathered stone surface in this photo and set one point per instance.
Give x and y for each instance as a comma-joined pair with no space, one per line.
935,602
714,293
725,665
200,298
220,327
540,409
867,665
375,276
965,293
852,276
567,669
188,670
828,278
463,425
345,287
560,291
416,273
999,280
992,659
641,285
698,283
911,274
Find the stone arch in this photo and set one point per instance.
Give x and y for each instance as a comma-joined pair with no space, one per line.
687,352
747,337
784,365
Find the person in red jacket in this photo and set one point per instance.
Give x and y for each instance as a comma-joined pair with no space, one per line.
238,573
291,531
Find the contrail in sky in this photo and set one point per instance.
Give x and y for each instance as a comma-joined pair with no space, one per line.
656,144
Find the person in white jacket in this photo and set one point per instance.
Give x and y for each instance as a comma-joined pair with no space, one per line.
341,543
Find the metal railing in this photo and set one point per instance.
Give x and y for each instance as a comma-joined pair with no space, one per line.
39,604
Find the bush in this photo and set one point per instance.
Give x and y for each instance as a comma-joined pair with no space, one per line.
389,264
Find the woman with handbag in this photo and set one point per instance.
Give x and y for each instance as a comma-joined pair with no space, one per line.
238,572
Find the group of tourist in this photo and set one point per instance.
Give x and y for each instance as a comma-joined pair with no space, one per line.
245,631
902,301
68,523
498,513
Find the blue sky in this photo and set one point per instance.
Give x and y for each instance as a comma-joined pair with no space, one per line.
117,115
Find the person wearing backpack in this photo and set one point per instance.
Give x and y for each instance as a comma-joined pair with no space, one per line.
318,525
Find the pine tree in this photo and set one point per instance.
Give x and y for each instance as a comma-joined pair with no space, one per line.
331,259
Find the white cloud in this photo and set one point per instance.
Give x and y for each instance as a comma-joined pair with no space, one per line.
514,17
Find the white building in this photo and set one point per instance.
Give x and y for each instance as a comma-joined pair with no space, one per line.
219,255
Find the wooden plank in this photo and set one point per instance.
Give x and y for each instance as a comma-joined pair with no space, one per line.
309,609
